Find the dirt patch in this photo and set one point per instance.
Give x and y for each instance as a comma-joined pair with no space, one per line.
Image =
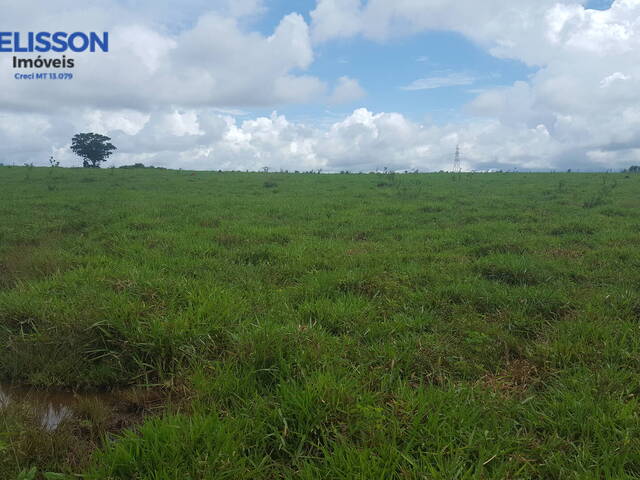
514,379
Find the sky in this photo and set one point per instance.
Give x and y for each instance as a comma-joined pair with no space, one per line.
334,85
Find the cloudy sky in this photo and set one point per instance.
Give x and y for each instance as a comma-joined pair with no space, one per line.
335,85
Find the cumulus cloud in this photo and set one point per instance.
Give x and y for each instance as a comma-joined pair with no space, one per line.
584,94
178,77
336,18
361,141
347,90
213,62
505,27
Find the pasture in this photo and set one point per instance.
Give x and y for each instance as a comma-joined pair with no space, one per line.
360,326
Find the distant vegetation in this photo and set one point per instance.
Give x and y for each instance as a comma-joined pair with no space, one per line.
432,326
137,165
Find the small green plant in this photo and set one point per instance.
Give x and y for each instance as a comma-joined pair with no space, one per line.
53,166
29,170
29,474
602,196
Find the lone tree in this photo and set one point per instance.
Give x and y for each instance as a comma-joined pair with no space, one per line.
93,148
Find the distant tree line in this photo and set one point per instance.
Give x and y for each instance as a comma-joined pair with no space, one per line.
140,165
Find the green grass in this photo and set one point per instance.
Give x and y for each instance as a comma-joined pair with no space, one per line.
437,326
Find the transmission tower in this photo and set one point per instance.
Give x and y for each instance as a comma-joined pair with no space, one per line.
456,161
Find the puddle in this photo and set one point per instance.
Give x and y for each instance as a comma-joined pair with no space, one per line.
49,408
52,407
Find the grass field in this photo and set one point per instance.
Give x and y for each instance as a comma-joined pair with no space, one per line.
433,326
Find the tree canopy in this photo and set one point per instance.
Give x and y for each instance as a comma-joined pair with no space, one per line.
93,148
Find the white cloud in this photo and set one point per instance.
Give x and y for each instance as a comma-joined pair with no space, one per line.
241,8
448,80
584,94
336,18
610,79
587,93
347,90
178,75
361,141
496,24
215,61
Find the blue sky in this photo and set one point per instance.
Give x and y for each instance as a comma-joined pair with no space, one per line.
599,4
527,84
383,68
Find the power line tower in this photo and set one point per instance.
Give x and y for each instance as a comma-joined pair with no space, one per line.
457,168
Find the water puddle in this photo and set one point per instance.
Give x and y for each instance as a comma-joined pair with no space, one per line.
49,408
